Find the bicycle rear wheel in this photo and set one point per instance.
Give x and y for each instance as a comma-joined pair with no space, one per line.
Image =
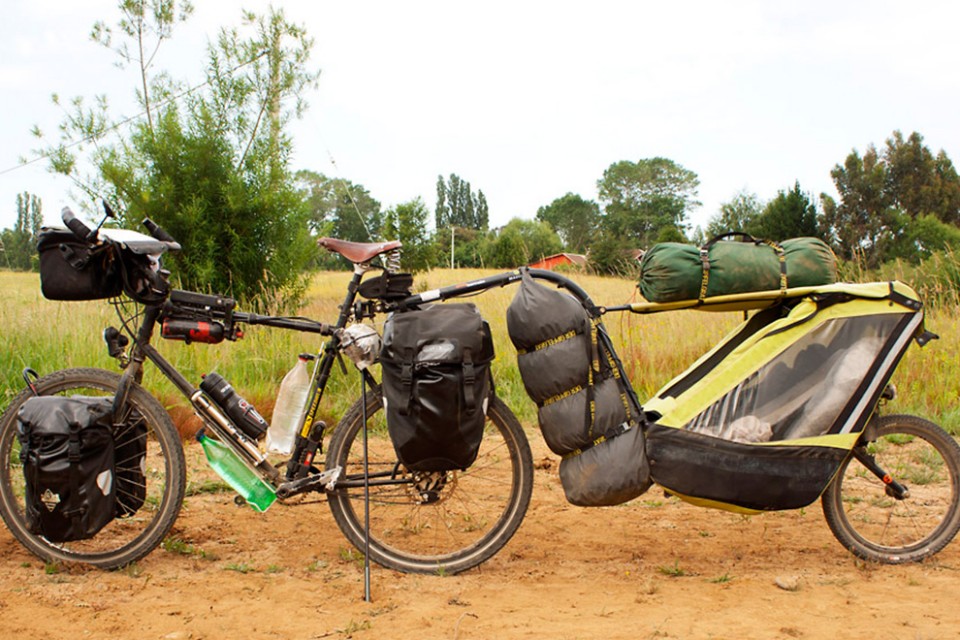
440,522
125,539
872,523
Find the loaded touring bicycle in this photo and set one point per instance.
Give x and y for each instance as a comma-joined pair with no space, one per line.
784,411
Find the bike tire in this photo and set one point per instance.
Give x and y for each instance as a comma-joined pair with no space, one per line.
471,516
125,539
875,526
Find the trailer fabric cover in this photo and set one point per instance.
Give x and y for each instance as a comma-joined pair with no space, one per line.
763,421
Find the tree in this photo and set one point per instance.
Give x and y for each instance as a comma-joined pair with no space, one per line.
882,194
611,253
20,243
574,219
145,24
459,206
407,222
791,214
520,242
857,222
642,198
212,166
739,214
918,182
339,208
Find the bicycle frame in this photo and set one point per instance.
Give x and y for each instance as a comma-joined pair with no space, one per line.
312,430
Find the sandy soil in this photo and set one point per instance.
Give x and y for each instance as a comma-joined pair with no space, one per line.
655,568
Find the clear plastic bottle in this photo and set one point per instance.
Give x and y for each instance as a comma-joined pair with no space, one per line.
291,402
238,475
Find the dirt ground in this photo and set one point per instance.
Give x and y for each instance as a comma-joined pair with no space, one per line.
654,568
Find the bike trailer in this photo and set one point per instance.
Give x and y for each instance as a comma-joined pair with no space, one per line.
763,421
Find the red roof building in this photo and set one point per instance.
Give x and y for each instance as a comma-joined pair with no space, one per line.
554,261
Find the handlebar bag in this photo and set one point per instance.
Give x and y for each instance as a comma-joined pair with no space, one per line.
67,453
73,269
436,385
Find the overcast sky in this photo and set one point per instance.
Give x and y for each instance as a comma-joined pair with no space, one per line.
531,100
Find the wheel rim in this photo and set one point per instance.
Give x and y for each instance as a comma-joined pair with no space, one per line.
438,521
118,538
897,527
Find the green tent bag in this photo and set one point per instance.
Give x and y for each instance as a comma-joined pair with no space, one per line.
672,271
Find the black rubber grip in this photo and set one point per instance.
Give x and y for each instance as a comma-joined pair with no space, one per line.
157,231
76,225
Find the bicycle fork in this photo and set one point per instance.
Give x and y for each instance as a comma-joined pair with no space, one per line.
893,488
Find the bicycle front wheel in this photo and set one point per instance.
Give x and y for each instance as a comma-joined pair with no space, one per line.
133,535
439,522
870,521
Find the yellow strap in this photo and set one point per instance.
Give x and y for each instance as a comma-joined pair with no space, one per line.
562,396
569,335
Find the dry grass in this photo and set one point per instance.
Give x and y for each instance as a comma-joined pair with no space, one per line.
654,348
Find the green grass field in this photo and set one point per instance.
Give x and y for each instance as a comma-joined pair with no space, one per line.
46,335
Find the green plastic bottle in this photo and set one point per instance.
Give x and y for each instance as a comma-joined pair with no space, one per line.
238,475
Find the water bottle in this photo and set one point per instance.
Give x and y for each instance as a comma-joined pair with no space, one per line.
238,475
291,403
243,414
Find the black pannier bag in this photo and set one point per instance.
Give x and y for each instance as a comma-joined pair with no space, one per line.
436,385
73,269
584,411
67,452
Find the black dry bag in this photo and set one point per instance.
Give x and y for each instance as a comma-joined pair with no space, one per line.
67,452
436,385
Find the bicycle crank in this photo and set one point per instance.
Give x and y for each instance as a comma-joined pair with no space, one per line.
324,481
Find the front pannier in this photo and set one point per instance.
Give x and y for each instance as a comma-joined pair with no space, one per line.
73,269
584,411
67,452
436,385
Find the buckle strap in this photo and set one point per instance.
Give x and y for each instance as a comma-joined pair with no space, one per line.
406,379
618,430
469,378
76,507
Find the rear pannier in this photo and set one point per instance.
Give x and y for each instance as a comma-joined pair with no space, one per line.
584,411
436,385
